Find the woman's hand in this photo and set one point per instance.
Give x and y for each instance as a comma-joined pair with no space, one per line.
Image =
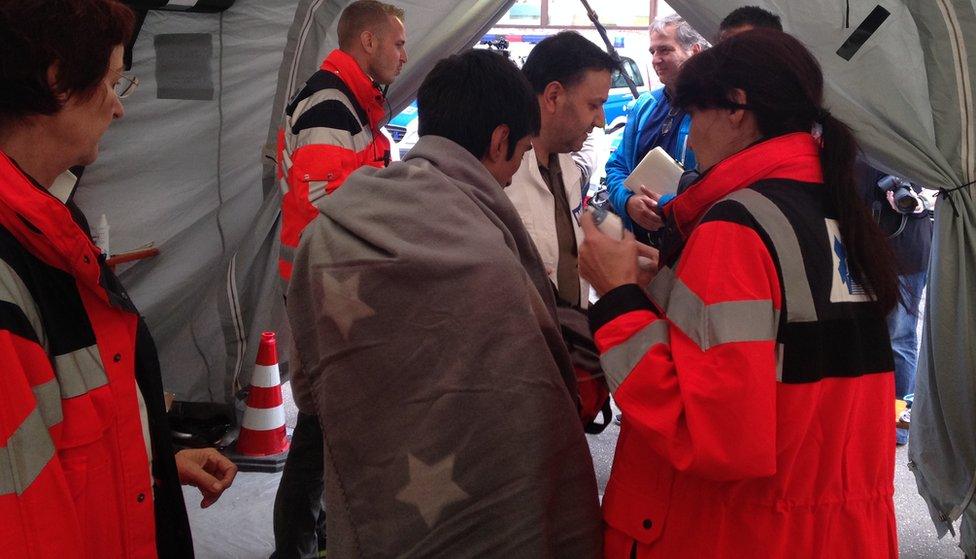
206,469
648,261
606,262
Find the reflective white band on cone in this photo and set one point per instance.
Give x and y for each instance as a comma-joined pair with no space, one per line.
266,376
257,419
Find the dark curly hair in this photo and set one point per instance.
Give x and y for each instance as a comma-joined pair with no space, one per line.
466,96
565,57
75,36
751,15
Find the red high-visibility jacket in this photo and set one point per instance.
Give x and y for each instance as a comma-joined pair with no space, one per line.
75,478
755,382
331,128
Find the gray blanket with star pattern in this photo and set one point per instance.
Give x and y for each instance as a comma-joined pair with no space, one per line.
426,324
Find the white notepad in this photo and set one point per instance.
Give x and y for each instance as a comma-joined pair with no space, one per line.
657,171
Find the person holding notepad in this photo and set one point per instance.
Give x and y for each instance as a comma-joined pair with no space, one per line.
654,122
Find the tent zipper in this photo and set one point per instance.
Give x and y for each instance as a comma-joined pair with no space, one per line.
306,26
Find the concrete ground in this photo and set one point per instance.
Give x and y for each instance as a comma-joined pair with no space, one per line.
239,525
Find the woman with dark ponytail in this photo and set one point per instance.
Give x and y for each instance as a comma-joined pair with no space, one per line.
754,372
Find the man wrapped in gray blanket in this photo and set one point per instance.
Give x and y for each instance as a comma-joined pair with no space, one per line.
427,325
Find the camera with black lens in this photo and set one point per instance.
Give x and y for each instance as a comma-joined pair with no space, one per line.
906,199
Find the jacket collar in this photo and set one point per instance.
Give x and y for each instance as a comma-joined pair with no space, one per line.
45,226
458,164
366,91
793,156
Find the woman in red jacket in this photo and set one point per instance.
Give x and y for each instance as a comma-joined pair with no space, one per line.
86,464
755,373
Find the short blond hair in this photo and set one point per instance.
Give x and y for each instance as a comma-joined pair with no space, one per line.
364,15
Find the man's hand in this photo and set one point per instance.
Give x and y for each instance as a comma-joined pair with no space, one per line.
642,208
606,262
206,469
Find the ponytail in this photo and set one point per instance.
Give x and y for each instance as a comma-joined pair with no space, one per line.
783,84
870,258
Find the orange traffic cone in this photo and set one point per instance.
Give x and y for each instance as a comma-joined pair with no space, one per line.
263,443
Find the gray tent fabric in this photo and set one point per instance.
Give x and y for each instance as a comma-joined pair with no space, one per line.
882,92
181,170
908,94
942,449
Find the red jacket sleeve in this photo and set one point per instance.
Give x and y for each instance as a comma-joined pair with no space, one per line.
318,151
37,512
697,381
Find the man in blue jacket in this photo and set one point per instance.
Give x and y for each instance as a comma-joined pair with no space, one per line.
654,122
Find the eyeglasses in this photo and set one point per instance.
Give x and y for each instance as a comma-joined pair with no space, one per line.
125,86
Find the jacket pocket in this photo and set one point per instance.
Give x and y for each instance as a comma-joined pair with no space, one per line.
82,447
639,513
86,453
318,187
93,483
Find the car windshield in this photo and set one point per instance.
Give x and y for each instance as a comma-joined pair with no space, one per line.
630,67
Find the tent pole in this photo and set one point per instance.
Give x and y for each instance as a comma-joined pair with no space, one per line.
612,51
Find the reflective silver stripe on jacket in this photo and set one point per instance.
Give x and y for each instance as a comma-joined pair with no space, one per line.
317,191
48,397
27,452
285,169
720,323
710,325
661,286
621,359
80,371
323,135
14,291
799,297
